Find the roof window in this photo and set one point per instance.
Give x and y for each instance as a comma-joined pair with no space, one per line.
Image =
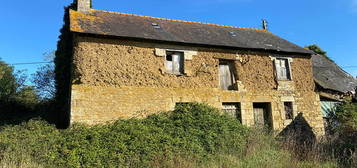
155,25
233,34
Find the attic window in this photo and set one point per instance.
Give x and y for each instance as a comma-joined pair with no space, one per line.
233,34
174,62
282,67
155,25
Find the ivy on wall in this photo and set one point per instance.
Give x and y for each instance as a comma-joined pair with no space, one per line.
63,63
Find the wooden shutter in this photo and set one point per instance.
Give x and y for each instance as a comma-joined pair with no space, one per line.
175,62
259,116
288,72
277,69
282,69
168,63
225,76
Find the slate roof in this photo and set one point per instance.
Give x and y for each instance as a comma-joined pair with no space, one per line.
151,28
330,76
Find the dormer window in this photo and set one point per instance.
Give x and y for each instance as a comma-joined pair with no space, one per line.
282,67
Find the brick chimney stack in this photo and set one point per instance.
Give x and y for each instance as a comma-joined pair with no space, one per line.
83,5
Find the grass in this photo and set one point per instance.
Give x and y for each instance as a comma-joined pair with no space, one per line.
193,135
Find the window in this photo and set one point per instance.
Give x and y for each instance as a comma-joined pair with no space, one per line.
282,69
226,75
288,108
174,62
180,104
232,109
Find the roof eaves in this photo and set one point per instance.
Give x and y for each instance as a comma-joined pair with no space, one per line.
326,87
196,44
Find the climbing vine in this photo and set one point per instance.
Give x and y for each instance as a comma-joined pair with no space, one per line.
63,62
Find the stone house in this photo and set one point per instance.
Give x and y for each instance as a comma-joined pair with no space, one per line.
126,65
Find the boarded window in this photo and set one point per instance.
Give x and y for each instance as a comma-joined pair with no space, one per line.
232,109
282,69
288,107
226,75
174,62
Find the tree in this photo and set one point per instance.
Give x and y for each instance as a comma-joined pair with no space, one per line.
17,100
63,61
346,115
13,87
44,78
44,81
315,48
8,82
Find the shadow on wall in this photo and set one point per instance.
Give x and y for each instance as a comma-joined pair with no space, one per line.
298,136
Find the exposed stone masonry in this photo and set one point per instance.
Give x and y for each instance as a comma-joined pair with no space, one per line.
117,78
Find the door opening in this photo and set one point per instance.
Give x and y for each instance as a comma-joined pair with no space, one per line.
262,115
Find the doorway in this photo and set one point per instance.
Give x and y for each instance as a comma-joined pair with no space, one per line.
262,115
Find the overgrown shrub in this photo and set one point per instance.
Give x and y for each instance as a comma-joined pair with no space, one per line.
346,115
193,135
17,100
194,130
343,141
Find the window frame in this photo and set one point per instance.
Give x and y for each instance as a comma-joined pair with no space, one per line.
288,115
288,72
233,74
181,62
238,110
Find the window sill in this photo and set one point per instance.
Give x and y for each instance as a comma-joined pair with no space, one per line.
235,90
176,74
285,80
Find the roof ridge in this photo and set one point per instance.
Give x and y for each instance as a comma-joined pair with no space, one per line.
181,21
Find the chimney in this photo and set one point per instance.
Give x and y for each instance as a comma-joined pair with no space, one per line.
265,24
83,5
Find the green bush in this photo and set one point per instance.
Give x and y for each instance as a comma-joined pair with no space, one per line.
194,130
343,141
193,135
346,115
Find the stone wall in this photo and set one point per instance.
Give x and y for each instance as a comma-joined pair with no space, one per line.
117,78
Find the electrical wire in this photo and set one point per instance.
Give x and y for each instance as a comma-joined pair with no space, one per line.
29,63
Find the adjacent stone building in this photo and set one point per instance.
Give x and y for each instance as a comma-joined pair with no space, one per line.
333,84
126,66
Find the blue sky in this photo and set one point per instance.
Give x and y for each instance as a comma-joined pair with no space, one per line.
30,28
